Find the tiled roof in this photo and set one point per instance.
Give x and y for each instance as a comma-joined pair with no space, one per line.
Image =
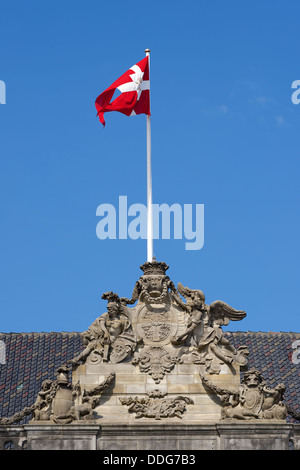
31,358
26,359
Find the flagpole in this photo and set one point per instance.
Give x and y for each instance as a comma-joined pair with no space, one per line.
149,183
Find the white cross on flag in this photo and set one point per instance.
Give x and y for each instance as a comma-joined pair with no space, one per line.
134,86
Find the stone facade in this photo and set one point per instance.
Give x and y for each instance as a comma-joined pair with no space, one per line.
183,380
153,437
160,375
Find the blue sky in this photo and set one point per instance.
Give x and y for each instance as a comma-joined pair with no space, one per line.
224,134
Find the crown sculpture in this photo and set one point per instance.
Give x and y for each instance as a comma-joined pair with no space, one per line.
164,358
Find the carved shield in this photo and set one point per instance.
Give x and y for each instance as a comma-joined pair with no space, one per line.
253,400
156,324
122,347
62,402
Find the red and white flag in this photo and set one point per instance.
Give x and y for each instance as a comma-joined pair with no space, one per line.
134,86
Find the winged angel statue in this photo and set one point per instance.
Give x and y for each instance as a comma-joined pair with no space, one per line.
204,336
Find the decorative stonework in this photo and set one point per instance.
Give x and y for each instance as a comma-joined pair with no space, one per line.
171,340
165,324
204,335
157,406
61,402
252,400
156,324
156,361
109,337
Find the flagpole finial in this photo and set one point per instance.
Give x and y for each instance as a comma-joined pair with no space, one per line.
147,51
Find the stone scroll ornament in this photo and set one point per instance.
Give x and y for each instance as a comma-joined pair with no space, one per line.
252,400
61,402
156,405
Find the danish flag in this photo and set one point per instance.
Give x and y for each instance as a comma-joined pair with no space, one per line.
134,86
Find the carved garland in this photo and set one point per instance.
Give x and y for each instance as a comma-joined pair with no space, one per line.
157,405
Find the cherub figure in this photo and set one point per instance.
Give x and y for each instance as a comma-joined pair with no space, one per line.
42,405
273,406
204,332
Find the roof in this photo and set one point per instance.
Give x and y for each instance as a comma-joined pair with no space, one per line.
26,359
274,355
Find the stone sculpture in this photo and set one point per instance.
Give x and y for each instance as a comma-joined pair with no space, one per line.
204,334
253,399
157,406
167,327
161,328
61,402
42,406
109,338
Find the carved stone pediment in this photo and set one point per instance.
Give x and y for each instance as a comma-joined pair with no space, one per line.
165,337
164,324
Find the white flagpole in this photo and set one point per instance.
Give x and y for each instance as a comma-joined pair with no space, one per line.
149,184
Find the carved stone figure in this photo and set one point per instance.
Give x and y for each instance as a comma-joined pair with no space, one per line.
156,319
157,406
253,399
84,402
204,333
273,406
71,402
109,338
42,406
41,409
61,402
153,285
